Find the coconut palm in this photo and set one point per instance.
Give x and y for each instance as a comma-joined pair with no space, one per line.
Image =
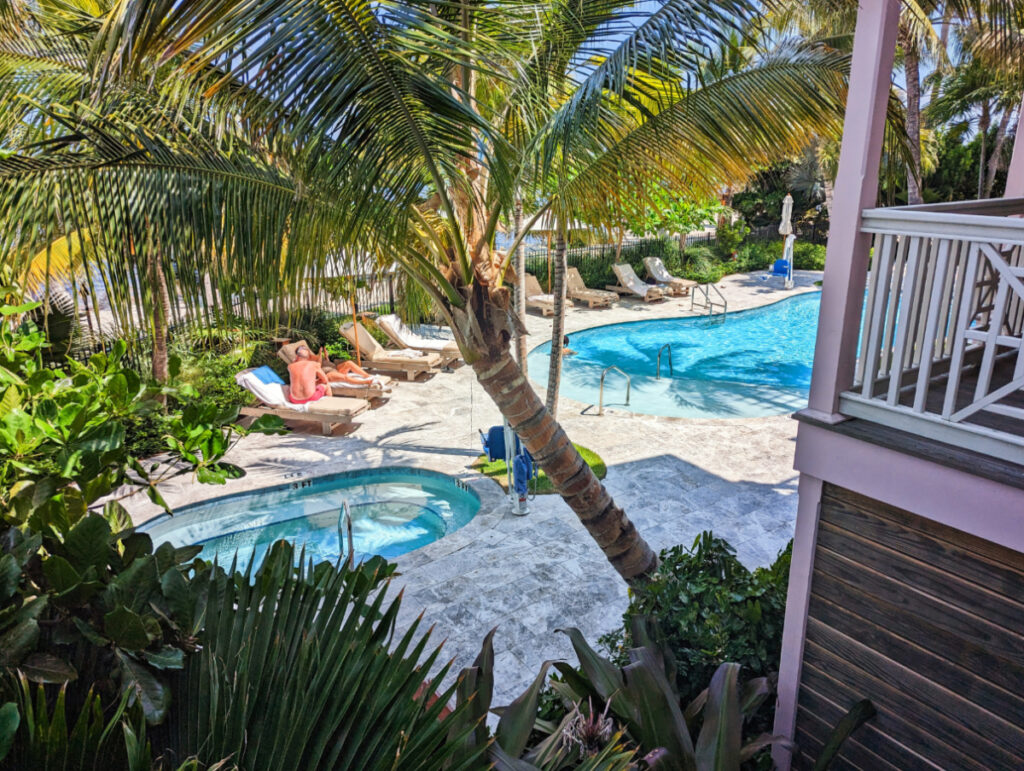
247,140
687,115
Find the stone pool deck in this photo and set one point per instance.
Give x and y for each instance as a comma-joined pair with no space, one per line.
532,575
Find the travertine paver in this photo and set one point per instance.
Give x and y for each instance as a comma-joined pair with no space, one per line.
532,575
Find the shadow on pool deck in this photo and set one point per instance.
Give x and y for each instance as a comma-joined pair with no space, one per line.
532,575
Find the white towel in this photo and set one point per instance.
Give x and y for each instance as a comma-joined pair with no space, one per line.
271,394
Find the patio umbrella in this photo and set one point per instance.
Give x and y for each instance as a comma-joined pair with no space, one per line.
786,226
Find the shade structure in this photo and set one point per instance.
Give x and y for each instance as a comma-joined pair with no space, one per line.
786,226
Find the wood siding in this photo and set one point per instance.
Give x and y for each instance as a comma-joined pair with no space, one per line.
927,622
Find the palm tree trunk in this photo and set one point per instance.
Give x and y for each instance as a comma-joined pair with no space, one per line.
912,70
520,293
159,299
984,121
996,161
549,445
557,324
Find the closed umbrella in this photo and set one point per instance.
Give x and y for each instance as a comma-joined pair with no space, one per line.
786,226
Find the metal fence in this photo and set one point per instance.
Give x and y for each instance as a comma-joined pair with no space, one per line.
538,261
380,294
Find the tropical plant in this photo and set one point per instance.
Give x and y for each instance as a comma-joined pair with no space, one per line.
634,712
82,596
710,609
300,668
973,93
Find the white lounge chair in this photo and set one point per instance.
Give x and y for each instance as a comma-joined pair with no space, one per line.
678,287
575,289
630,283
536,298
376,358
328,411
403,337
380,388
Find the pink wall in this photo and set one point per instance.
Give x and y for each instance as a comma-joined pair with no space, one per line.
1015,174
839,320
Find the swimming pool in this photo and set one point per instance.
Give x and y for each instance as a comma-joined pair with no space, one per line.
394,510
752,363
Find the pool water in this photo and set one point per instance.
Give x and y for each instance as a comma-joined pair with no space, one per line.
752,363
394,510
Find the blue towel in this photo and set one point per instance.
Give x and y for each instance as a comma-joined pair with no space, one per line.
266,375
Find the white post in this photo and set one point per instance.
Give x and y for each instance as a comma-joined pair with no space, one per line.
842,298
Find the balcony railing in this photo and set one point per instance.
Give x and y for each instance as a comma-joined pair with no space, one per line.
940,350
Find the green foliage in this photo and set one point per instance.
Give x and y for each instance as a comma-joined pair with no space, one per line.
700,263
83,599
300,668
955,174
710,609
51,735
728,237
62,432
759,255
497,470
96,606
669,212
625,713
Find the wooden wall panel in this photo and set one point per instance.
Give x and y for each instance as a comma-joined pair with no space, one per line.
927,622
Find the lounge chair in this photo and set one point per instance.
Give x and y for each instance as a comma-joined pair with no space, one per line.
535,297
678,287
328,411
575,289
403,337
380,388
630,283
376,358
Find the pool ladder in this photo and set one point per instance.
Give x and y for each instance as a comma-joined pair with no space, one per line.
600,397
346,517
709,302
669,346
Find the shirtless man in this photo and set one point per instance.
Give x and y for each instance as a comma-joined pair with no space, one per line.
307,378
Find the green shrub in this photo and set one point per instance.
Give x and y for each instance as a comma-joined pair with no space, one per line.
728,237
759,255
711,610
699,263
807,256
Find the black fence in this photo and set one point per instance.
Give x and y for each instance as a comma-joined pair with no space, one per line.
591,259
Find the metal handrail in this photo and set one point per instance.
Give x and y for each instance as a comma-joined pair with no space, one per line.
669,346
600,396
705,289
347,517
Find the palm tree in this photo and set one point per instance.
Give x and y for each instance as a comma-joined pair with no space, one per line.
694,115
286,130
973,92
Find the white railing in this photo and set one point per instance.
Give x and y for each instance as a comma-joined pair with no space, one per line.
941,338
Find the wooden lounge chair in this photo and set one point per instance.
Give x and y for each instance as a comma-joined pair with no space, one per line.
376,358
678,287
403,337
535,297
379,389
575,289
630,284
328,411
